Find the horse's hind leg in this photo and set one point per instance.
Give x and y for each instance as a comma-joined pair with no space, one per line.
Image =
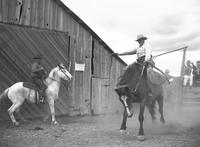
160,100
123,125
141,119
151,108
46,111
11,110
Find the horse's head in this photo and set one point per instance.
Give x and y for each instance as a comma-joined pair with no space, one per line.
63,73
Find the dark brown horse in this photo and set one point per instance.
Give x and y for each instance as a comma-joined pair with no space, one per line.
129,93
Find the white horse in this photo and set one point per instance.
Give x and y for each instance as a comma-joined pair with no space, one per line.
17,93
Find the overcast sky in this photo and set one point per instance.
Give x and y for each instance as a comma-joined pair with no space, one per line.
168,24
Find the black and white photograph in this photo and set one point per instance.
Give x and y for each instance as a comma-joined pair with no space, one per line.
99,73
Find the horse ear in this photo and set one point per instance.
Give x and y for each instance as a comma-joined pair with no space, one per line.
54,74
61,66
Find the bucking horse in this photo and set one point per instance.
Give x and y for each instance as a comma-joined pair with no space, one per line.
132,88
20,91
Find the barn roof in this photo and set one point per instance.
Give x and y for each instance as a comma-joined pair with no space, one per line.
81,22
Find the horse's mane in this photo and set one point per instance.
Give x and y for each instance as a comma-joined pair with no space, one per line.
52,72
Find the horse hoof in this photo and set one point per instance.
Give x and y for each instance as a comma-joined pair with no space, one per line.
130,115
123,132
16,123
141,137
163,121
54,123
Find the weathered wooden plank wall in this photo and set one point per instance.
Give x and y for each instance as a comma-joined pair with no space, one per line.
54,15
17,47
106,70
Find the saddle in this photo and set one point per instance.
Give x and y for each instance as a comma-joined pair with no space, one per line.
32,86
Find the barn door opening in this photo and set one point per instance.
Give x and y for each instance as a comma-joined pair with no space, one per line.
100,96
99,81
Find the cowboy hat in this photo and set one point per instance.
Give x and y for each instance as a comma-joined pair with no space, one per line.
139,37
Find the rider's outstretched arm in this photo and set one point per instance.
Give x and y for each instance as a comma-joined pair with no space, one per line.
128,53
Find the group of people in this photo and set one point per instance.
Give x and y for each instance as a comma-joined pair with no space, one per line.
191,74
143,52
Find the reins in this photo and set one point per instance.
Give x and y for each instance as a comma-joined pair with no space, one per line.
141,74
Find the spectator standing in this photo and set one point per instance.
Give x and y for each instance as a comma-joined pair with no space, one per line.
168,75
196,73
188,77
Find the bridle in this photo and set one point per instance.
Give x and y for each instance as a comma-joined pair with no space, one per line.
61,69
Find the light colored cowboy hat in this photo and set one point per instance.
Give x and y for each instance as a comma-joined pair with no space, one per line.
141,36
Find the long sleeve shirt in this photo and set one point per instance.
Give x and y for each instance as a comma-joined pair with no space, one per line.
37,70
144,50
188,70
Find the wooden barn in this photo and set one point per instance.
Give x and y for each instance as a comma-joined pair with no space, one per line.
48,27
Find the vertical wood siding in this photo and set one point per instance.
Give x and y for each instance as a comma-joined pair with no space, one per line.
17,47
53,15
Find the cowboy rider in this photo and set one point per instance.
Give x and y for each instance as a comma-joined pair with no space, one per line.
143,52
38,74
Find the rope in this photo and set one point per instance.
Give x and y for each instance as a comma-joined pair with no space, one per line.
170,51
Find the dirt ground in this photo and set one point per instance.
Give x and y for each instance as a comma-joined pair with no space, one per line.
180,130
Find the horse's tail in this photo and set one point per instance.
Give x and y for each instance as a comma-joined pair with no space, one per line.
4,94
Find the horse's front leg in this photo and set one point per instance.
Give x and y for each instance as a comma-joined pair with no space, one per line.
52,109
46,111
124,120
141,119
151,108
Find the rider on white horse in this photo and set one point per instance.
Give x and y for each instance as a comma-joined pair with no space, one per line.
38,74
19,92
